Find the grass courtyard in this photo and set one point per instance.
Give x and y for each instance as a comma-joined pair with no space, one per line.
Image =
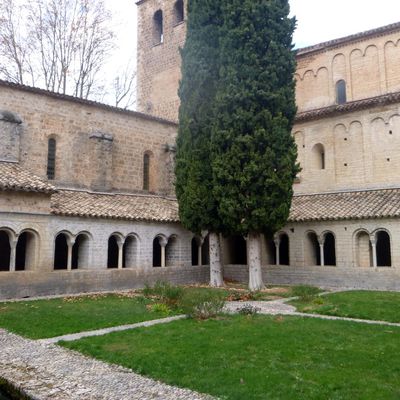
234,357
260,357
379,306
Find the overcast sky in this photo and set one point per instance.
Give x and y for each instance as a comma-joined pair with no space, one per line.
317,20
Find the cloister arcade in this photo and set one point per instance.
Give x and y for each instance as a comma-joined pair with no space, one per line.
19,251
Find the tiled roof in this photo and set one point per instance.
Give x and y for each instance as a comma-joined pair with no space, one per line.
383,30
348,107
346,205
14,177
116,206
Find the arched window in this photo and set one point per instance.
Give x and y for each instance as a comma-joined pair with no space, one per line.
329,249
25,251
312,250
158,29
5,251
51,159
383,251
146,171
341,92
284,250
80,252
179,12
130,252
61,252
236,250
156,252
113,252
318,156
363,250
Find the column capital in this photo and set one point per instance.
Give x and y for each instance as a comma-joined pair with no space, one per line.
163,241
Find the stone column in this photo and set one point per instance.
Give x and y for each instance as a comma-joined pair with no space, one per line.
277,241
120,252
70,243
13,248
321,241
200,242
372,239
163,243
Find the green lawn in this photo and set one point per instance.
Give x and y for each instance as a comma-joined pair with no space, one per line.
55,317
382,306
261,357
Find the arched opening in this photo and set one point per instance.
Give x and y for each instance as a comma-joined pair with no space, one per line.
113,252
158,28
270,251
5,251
172,252
363,250
61,252
205,251
179,12
146,171
156,252
341,97
318,157
383,250
237,250
51,158
284,249
312,250
25,252
195,251
130,252
329,249
80,252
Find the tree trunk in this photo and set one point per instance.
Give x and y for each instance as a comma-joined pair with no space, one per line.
254,255
216,279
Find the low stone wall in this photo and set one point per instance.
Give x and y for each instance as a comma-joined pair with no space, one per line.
333,277
29,284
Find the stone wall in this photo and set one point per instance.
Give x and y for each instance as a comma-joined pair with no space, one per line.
85,132
368,65
29,284
327,277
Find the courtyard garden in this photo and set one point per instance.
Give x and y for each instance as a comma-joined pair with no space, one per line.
243,356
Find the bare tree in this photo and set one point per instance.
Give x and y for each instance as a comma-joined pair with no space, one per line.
15,46
124,87
63,49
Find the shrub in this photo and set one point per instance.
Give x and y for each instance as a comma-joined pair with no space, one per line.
305,292
160,308
248,309
202,305
164,292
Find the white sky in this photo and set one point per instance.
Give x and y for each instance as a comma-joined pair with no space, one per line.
317,21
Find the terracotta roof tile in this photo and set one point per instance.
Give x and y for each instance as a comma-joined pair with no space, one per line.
346,205
116,206
14,177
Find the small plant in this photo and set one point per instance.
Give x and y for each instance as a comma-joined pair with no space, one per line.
164,292
305,293
248,309
160,308
202,305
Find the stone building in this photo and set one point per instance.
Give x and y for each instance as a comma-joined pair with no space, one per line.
86,190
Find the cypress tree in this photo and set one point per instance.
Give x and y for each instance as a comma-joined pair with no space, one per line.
197,206
254,154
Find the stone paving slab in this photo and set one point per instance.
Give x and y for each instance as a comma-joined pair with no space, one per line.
104,331
49,372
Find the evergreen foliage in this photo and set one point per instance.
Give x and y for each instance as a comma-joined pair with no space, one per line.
254,154
197,207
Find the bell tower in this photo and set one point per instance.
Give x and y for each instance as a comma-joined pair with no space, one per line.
161,32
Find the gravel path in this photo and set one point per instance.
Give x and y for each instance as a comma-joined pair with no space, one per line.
49,372
100,332
279,307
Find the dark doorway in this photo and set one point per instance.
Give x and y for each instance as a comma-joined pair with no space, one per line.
383,250
61,252
195,252
112,256
329,250
5,251
284,249
156,253
238,250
